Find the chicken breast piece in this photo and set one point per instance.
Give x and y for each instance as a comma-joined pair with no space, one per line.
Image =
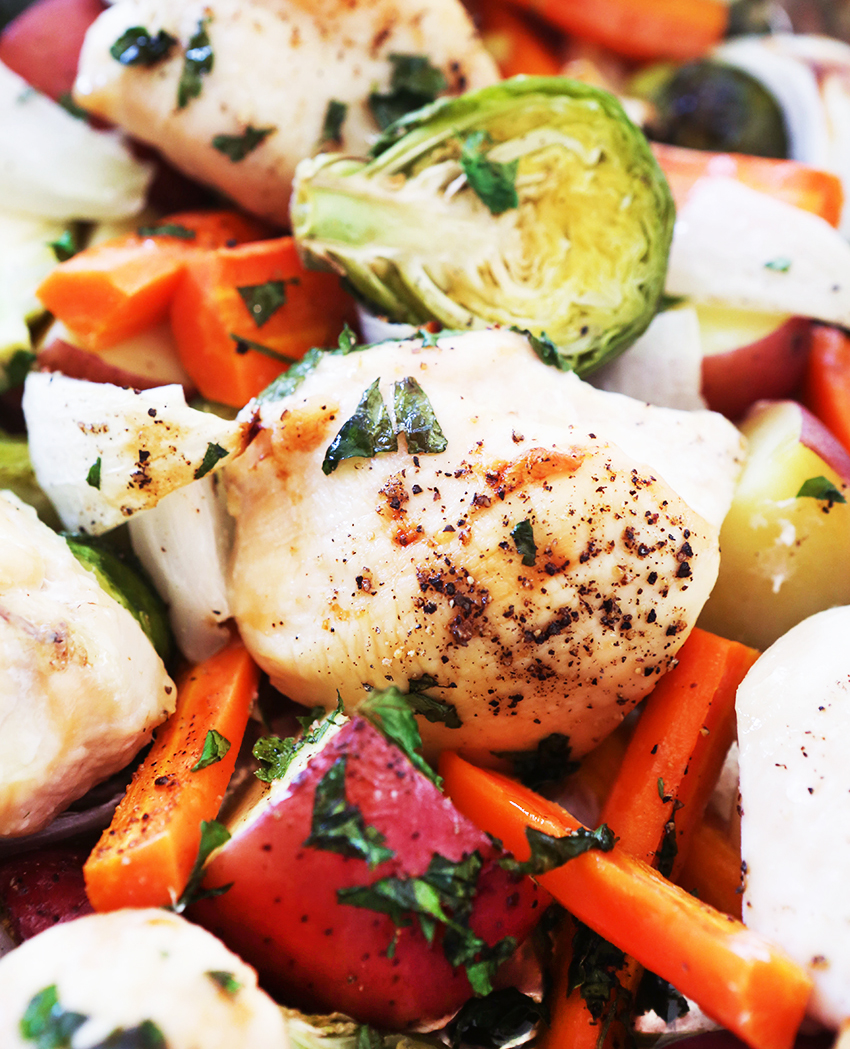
537,576
136,969
276,65
81,687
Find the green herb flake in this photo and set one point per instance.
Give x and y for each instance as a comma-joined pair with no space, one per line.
213,836
593,971
391,713
668,850
225,980
146,1035
548,852
243,345
66,101
660,997
93,476
139,47
65,247
549,762
167,229
660,788
338,826
288,382
17,369
822,489
212,455
264,300
368,1038
335,116
347,342
523,537
416,419
494,184
215,747
237,147
46,1023
781,265
414,83
197,63
368,432
275,755
437,711
503,1017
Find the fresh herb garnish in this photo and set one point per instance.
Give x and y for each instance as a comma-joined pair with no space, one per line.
215,747
660,997
549,762
338,826
347,342
414,82
368,432
264,300
212,455
93,476
822,489
65,247
778,265
594,973
523,537
415,417
391,712
437,711
237,147
289,381
545,349
368,1038
46,1023
66,101
548,852
243,345
197,63
17,369
335,116
139,47
276,754
501,1017
213,836
494,184
225,980
167,229
147,1035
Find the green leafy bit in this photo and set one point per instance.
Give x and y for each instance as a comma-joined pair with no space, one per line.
66,101
660,997
660,788
17,369
391,712
243,345
237,147
338,826
146,1035
275,755
213,836
264,300
65,247
347,340
46,1023
215,747
288,382
437,711
368,432
414,83
549,762
335,116
593,972
167,229
501,1017
548,852
822,489
494,184
416,419
778,265
93,476
441,898
139,47
197,63
523,537
368,1038
225,980
546,350
212,455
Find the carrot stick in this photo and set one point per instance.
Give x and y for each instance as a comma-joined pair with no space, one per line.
674,29
811,189
517,46
827,381
214,308
120,287
145,856
736,976
711,867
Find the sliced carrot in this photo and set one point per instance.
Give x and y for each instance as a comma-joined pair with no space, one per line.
811,189
145,856
232,346
737,977
827,382
711,867
120,287
674,29
517,45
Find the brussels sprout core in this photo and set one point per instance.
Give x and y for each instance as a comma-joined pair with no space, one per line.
429,228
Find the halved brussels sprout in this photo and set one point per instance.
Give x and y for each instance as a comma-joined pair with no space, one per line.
534,204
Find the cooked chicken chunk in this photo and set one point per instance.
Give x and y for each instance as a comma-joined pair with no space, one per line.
275,67
81,687
536,576
143,973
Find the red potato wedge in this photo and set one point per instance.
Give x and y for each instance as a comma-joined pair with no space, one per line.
282,914
42,889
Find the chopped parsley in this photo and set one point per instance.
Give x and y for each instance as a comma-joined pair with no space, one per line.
545,349
212,455
523,537
237,147
215,747
167,229
549,762
225,980
243,345
594,971
503,1017
391,712
66,101
368,432
264,300
347,342
657,995
548,852
275,754
17,368
213,836
46,1023
335,116
778,265
197,63
432,709
139,47
494,184
414,83
289,381
93,476
65,247
416,419
822,489
146,1035
338,826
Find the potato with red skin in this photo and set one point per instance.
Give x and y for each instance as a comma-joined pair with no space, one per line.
41,889
282,914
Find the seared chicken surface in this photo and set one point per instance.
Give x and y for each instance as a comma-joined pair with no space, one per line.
276,65
539,574
81,687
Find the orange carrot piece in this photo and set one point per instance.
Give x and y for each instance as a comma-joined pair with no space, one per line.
827,381
811,189
736,976
711,867
145,856
209,317
674,29
515,44
118,288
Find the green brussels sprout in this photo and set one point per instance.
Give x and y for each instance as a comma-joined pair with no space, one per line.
534,204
